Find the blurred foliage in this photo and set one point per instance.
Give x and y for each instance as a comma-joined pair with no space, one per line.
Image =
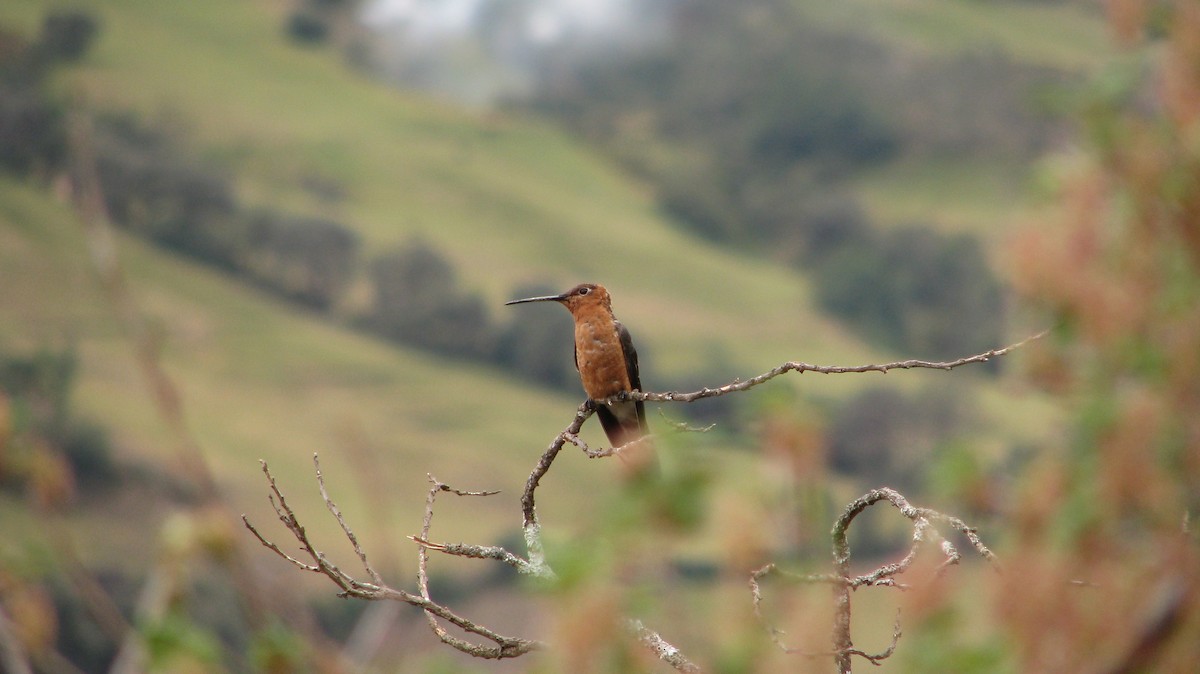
176,643
278,649
44,447
1102,570
926,649
154,187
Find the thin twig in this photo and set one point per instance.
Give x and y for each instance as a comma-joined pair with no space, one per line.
495,552
796,366
337,514
682,426
877,658
605,452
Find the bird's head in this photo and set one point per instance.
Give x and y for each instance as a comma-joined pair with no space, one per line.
581,297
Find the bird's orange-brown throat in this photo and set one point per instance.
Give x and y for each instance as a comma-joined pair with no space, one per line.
605,358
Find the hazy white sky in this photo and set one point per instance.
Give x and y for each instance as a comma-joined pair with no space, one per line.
443,46
546,21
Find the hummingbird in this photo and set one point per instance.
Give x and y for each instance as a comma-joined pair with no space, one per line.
605,358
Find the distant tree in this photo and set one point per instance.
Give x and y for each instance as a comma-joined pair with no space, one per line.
804,224
155,188
67,35
32,136
32,127
312,260
915,289
307,27
867,429
316,22
32,131
981,103
750,90
418,302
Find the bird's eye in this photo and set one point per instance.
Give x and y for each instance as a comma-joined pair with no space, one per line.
584,291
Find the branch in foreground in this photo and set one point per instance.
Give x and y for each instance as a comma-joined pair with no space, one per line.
924,532
505,646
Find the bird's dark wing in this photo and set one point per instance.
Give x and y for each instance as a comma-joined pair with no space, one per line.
631,368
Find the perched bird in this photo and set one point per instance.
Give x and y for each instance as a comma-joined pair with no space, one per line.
605,358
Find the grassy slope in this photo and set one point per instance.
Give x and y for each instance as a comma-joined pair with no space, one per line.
509,199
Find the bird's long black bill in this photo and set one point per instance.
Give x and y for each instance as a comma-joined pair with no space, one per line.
544,298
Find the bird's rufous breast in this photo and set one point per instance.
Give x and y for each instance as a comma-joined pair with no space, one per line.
598,353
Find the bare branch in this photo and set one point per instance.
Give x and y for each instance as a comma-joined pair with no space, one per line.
659,646
756,598
682,426
476,552
505,646
275,548
887,653
528,509
796,366
606,452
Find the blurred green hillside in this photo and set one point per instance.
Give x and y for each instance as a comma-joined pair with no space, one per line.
509,200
